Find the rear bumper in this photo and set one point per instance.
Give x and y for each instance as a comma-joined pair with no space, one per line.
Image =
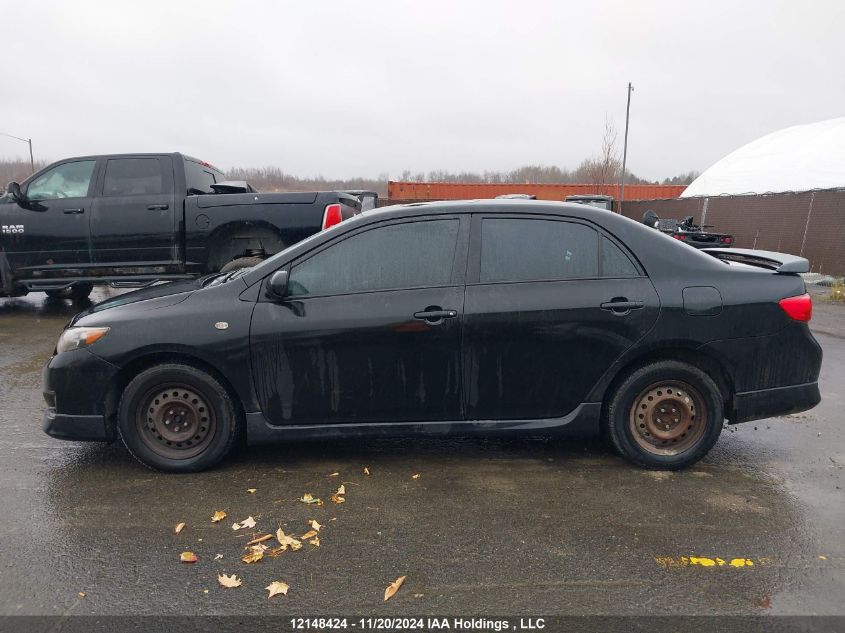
767,403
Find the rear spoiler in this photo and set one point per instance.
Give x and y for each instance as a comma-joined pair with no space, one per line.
778,262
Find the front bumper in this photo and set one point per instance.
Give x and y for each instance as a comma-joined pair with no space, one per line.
75,386
76,427
767,403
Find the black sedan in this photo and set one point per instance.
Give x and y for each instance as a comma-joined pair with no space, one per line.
483,316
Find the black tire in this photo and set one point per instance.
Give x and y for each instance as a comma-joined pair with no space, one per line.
77,292
666,415
241,262
177,418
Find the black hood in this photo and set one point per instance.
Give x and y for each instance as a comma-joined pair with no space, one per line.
182,287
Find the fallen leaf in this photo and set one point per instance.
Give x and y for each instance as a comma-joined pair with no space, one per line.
252,491
248,522
393,587
179,527
315,541
341,490
314,525
188,557
81,594
253,556
287,541
417,476
309,498
218,516
229,581
218,557
333,475
336,498
766,603
366,470
260,539
276,551
309,534
276,587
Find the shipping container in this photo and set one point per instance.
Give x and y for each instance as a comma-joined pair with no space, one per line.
415,191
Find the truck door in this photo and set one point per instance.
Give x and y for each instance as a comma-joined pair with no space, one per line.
133,221
48,229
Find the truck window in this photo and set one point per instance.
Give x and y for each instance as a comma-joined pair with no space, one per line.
133,177
199,178
70,180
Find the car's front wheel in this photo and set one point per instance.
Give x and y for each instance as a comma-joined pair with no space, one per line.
665,415
177,418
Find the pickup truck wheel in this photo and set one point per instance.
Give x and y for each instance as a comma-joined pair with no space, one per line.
666,415
241,262
177,418
77,292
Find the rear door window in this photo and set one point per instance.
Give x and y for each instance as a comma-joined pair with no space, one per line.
416,254
614,262
516,249
133,177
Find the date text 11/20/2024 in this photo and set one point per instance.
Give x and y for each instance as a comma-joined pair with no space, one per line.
430,623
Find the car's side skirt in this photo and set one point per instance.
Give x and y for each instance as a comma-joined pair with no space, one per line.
582,421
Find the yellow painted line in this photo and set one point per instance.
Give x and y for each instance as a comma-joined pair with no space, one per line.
703,561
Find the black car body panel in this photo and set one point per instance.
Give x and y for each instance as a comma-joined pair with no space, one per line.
465,352
142,217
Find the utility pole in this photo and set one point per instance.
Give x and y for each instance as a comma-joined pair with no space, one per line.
625,147
28,141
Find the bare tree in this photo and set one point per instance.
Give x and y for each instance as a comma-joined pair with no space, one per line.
604,170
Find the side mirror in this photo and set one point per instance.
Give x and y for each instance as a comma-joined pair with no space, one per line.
13,189
278,284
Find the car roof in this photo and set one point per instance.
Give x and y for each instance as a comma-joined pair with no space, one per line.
488,205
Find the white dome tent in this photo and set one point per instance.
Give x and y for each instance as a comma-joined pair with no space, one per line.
797,158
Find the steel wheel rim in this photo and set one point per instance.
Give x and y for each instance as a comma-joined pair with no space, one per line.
668,417
175,421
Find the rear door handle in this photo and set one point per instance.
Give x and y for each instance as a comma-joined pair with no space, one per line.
73,211
158,207
621,305
435,314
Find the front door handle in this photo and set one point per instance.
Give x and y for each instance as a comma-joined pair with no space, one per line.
158,207
73,211
435,314
621,305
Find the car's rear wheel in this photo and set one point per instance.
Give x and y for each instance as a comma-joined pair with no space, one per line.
665,415
177,418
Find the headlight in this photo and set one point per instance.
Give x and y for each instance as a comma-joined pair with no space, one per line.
79,337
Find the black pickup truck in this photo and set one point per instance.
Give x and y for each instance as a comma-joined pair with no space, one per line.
133,219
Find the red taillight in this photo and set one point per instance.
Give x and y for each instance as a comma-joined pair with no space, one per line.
680,236
799,308
726,239
332,216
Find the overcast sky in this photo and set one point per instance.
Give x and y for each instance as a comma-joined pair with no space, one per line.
344,88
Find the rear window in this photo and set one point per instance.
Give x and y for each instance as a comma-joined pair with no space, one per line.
199,178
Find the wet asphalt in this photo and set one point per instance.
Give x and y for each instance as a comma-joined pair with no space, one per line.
490,526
